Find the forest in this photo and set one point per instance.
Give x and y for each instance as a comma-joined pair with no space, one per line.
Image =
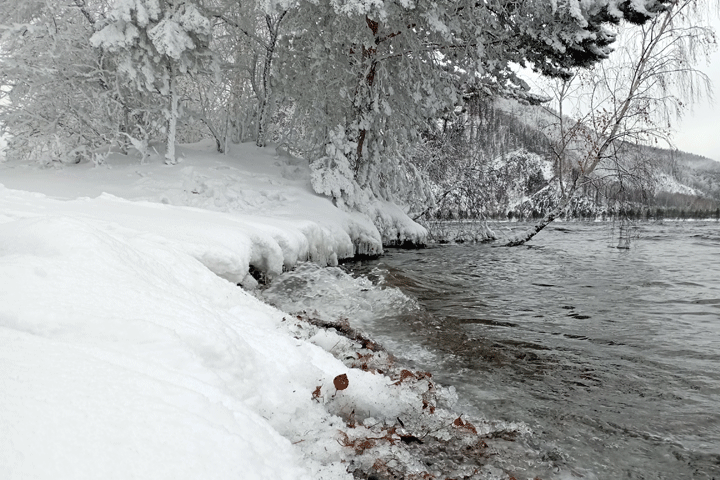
399,101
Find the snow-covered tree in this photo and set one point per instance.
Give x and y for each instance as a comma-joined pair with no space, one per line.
375,74
257,28
155,43
629,100
352,84
58,101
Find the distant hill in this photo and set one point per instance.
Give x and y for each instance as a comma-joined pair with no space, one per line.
699,172
496,161
681,179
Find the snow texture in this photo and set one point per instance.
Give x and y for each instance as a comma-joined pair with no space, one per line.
260,200
125,352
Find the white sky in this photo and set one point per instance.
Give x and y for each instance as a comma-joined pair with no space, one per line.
699,131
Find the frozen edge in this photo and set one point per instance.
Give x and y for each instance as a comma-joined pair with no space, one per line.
234,246
428,438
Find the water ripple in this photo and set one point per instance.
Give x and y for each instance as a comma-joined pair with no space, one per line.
612,356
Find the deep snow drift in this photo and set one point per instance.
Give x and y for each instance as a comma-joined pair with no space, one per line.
275,213
128,351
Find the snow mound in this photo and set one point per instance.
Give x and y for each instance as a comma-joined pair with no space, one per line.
125,357
226,244
265,192
397,229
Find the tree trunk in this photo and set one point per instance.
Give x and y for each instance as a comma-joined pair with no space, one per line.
364,105
264,102
527,235
264,107
170,158
220,140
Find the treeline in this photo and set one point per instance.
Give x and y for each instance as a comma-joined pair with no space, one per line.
356,87
495,165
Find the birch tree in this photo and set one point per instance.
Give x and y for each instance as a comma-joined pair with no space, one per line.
632,98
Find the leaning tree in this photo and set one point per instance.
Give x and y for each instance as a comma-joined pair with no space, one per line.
631,98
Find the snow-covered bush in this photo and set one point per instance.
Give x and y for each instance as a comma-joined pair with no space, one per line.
58,100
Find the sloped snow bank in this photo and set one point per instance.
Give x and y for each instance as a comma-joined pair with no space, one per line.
122,355
226,244
127,350
257,185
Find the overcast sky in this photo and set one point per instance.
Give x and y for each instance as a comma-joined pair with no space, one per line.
699,131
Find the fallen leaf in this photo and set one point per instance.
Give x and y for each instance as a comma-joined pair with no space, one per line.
341,382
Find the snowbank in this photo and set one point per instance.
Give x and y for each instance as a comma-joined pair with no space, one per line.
268,193
123,355
127,350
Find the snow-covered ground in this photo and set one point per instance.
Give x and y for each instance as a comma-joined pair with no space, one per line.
275,218
666,183
128,351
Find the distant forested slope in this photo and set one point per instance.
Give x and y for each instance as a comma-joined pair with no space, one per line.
494,160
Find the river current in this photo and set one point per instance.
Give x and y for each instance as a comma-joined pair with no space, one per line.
610,356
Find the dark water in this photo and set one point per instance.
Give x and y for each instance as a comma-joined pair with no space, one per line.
612,357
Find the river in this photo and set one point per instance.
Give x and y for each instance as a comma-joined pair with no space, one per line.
610,356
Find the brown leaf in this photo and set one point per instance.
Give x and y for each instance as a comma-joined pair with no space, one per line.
465,425
316,393
341,382
470,427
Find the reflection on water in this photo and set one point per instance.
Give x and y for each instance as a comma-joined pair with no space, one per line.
611,356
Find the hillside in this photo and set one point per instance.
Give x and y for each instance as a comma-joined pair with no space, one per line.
699,172
500,165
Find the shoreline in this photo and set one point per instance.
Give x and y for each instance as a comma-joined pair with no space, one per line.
428,439
131,350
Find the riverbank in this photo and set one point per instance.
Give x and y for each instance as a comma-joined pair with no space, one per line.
609,355
127,350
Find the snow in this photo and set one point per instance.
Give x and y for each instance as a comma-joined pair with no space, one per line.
119,352
169,38
332,293
128,351
255,207
667,183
